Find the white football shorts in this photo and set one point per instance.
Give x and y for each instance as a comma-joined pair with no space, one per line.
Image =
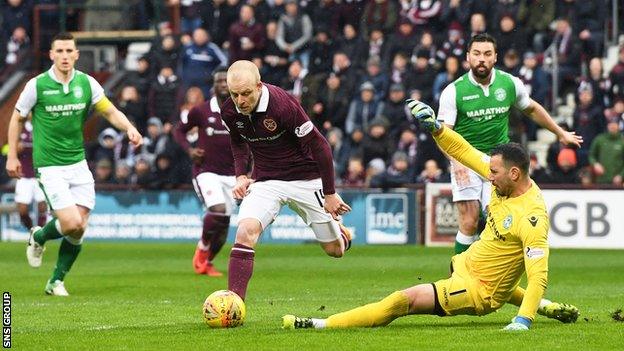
27,190
213,189
69,185
468,185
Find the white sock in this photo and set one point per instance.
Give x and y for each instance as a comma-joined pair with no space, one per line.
73,241
201,246
464,239
319,323
57,225
544,303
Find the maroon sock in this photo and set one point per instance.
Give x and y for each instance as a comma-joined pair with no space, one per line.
240,269
26,221
42,218
219,237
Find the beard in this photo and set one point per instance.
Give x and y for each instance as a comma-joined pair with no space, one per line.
481,71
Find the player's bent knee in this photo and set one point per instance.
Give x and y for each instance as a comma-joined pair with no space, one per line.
421,299
248,232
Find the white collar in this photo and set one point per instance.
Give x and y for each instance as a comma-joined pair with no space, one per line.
214,105
263,104
472,79
53,75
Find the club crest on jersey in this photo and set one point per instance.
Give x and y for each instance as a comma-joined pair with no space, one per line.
77,92
500,94
269,124
507,222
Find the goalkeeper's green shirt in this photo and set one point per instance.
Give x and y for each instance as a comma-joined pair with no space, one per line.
58,115
514,240
481,113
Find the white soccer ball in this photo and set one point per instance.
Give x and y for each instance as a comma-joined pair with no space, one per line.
224,309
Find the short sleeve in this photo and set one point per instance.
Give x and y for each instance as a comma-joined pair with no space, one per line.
523,100
28,98
447,112
97,92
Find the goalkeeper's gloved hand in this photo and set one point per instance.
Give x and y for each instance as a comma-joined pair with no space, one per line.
518,323
424,115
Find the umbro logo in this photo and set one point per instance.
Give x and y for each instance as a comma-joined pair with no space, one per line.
533,221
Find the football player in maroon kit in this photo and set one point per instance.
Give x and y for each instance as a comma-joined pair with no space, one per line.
292,166
213,172
27,188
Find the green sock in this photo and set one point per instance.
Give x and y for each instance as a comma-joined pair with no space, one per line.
459,247
68,253
48,232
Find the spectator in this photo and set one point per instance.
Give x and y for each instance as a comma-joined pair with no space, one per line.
374,167
378,46
353,46
408,143
375,75
356,174
190,14
131,105
301,85
321,51
451,72
424,14
537,84
379,14
123,174
340,150
163,94
617,112
606,155
433,174
399,71
396,175
105,148
456,11
341,67
501,8
616,76
538,173
349,12
274,59
554,148
394,109
246,37
377,144
454,45
167,53
403,40
215,20
294,33
17,49
566,171
15,13
536,16
324,16
568,55
589,21
154,142
193,97
141,78
478,25
167,175
601,86
426,48
589,120
363,109
104,172
277,9
510,37
199,59
332,106
262,11
511,62
142,176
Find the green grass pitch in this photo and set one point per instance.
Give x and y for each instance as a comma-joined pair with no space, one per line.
144,296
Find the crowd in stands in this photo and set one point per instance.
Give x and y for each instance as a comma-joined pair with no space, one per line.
352,64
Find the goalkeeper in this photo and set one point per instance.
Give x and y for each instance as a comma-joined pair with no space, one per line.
486,276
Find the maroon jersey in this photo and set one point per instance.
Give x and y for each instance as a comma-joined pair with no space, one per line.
284,143
25,156
214,139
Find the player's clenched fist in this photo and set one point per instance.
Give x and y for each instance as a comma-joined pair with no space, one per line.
424,115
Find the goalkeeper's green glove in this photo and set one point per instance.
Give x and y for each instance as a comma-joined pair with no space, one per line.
518,324
424,114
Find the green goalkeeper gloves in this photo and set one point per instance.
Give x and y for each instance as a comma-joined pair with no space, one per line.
424,114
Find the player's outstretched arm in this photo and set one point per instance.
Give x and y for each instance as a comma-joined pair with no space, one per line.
119,120
448,140
537,113
13,165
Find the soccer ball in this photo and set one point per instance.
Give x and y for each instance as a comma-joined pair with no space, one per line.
224,309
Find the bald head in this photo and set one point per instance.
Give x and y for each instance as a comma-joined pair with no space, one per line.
243,80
